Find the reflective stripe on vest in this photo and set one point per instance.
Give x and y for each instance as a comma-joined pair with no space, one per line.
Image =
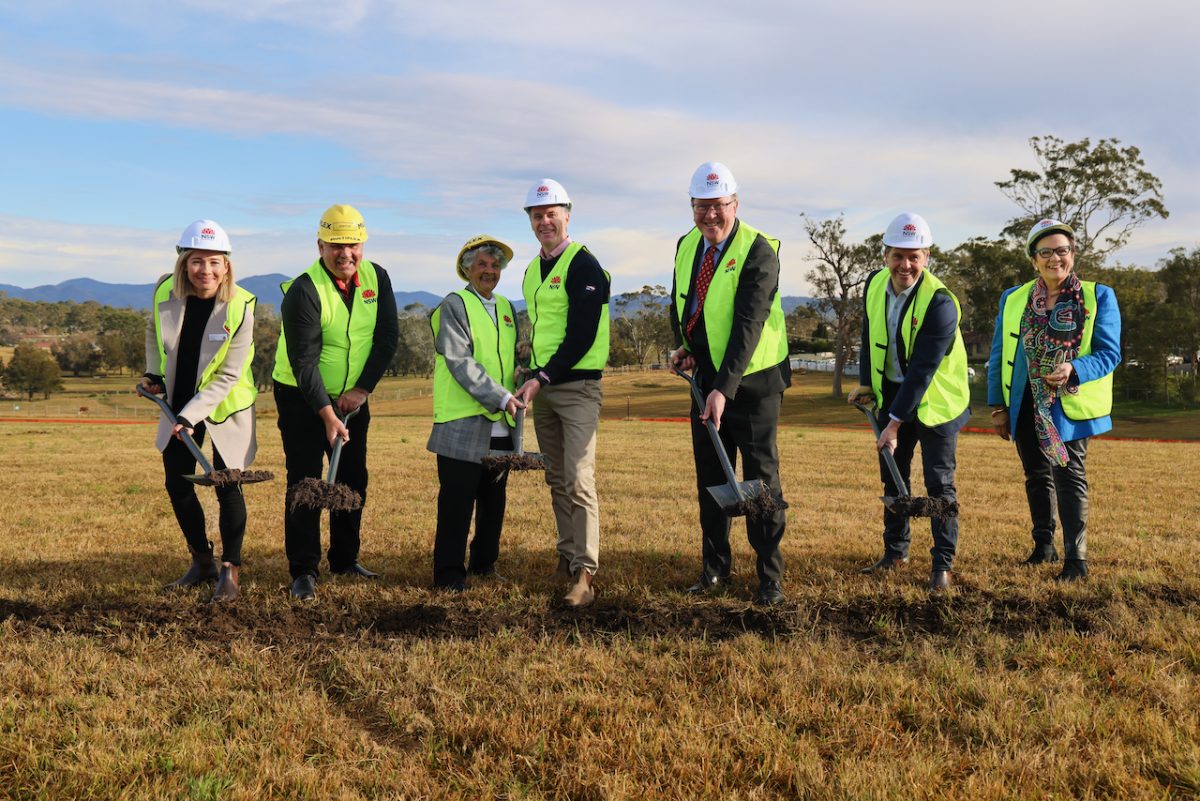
347,334
493,345
1094,398
547,304
243,393
772,345
949,392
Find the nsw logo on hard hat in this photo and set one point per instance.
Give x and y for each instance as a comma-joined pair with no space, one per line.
207,232
712,179
910,229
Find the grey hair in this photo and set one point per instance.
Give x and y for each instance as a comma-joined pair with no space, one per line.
468,259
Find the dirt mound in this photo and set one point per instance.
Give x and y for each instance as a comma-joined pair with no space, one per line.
313,493
917,506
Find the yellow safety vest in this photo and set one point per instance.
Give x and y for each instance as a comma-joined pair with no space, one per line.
243,393
347,334
949,392
1094,398
493,345
547,304
772,345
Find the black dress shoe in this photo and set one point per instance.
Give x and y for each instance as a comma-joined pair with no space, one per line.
355,570
708,584
939,580
1041,555
490,576
304,588
1073,570
769,593
452,587
890,561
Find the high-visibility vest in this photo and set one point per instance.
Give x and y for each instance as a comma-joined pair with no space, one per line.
949,392
243,393
772,345
547,304
347,334
1094,398
493,345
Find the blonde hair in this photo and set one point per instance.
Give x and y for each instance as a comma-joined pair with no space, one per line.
183,288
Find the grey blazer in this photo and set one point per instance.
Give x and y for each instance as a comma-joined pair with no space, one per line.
234,438
467,438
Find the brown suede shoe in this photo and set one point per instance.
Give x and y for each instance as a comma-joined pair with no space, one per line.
581,593
203,568
227,584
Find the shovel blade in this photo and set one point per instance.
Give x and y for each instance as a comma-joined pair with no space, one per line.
729,498
201,480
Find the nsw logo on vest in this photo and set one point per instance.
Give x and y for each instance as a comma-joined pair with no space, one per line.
508,321
368,296
556,282
730,265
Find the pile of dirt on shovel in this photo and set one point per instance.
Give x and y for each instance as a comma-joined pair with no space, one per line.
231,476
759,506
313,493
916,506
512,461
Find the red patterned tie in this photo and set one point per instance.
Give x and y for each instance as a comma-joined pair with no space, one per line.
707,268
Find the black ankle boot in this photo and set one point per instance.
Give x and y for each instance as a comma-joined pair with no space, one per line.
202,569
1073,570
1042,554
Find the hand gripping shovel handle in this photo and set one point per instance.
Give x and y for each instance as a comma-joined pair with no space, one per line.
187,439
888,459
714,436
336,456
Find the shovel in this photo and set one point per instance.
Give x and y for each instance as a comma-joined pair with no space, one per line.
313,493
516,459
736,498
904,504
210,478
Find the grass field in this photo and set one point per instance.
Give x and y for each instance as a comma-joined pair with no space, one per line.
1008,687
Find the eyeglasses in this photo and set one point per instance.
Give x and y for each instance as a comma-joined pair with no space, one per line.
702,209
1061,252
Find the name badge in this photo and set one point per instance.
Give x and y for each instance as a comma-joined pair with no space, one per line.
218,337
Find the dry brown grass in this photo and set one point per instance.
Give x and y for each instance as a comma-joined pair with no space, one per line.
1009,687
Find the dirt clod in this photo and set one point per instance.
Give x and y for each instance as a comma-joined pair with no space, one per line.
231,476
760,506
918,506
513,461
313,493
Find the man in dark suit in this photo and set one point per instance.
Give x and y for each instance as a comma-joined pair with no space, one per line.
727,317
913,364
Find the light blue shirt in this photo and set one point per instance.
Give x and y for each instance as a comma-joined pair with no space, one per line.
720,248
894,305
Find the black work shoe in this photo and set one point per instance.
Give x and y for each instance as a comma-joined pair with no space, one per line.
770,592
1041,555
202,569
890,561
304,588
1073,570
708,584
939,580
489,576
354,570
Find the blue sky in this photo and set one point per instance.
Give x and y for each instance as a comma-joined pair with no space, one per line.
120,123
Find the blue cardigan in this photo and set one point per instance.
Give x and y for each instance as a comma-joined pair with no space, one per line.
1104,358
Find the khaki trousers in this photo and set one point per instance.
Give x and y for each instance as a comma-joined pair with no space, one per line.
566,417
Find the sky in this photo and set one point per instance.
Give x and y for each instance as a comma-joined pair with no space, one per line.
121,123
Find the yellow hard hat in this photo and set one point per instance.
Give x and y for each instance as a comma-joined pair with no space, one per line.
342,225
479,241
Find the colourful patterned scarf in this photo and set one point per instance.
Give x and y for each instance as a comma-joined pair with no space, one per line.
1051,336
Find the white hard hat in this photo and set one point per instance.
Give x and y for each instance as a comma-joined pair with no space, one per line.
204,235
712,179
547,192
1045,228
908,231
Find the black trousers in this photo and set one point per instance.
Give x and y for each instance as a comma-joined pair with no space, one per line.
748,426
1046,483
179,462
939,449
467,487
304,450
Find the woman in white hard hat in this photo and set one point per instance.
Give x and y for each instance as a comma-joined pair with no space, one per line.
199,347
475,336
1057,343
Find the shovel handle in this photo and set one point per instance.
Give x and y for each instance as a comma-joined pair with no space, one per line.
519,432
183,435
336,456
713,435
888,459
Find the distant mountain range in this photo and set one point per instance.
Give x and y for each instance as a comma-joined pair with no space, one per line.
266,289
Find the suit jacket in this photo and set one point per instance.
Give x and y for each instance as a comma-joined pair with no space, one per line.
758,284
930,345
467,438
235,437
